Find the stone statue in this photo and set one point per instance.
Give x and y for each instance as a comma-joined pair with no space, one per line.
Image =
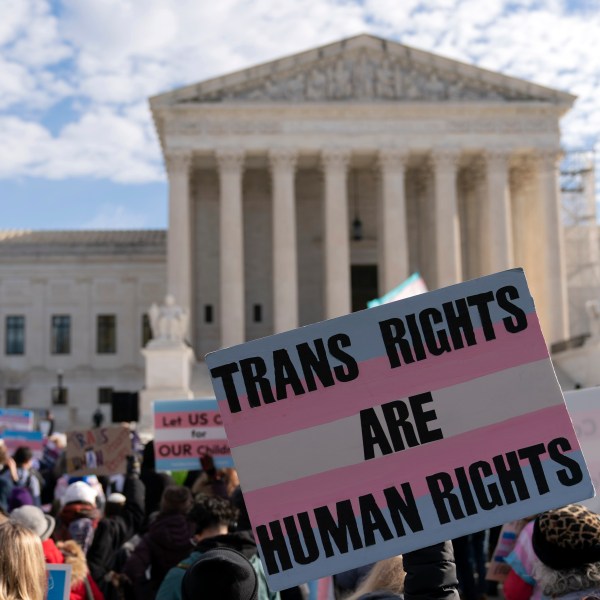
168,322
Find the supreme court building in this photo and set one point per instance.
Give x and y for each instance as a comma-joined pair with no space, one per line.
303,187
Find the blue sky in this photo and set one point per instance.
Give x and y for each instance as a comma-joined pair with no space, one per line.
78,149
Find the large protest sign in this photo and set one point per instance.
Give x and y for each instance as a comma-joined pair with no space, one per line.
397,427
31,439
59,582
584,408
16,419
184,430
100,451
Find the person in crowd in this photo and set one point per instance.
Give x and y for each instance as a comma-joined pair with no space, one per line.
222,573
8,476
79,516
28,480
212,518
166,543
68,552
213,481
566,542
384,581
155,482
470,557
22,566
520,583
348,581
123,518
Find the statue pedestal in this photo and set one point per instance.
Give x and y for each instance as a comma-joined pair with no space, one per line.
168,375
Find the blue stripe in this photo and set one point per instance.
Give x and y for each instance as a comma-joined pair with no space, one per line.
434,532
191,464
34,436
196,405
16,412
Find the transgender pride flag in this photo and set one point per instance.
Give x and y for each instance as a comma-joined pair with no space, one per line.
394,428
412,286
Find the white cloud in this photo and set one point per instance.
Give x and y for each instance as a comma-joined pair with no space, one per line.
108,56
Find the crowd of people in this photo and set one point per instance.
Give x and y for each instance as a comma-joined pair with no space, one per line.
142,535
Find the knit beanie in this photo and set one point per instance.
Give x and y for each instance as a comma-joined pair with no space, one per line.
567,537
221,573
176,499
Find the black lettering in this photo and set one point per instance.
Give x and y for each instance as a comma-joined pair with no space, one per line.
459,323
477,471
481,301
403,508
339,531
532,454
274,546
315,364
335,345
574,475
415,336
372,520
396,415
465,491
225,372
285,374
511,477
392,333
373,434
520,318
440,487
301,556
422,417
436,341
254,372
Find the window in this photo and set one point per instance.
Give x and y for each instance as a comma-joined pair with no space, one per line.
60,395
60,338
105,395
208,313
106,334
15,334
13,396
257,313
146,330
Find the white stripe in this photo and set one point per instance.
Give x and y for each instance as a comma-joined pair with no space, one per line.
192,433
461,408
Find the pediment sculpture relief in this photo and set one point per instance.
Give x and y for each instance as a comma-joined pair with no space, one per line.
363,76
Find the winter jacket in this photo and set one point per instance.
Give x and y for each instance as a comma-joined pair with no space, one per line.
241,541
430,573
166,543
82,584
112,532
6,486
380,596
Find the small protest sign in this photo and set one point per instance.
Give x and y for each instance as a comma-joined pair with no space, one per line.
184,430
397,427
412,286
100,451
16,419
31,439
59,581
498,568
584,408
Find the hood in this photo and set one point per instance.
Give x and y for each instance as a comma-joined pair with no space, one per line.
242,541
75,557
171,531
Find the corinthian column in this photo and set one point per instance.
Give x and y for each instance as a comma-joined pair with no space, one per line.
499,219
447,226
179,235
553,255
231,247
285,261
337,246
393,238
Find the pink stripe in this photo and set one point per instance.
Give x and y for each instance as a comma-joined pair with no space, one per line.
378,384
413,465
185,420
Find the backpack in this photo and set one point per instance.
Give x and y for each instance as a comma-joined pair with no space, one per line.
20,495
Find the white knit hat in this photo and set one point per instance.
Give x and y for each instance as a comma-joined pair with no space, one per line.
80,492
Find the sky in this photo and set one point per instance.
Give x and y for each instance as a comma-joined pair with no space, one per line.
77,144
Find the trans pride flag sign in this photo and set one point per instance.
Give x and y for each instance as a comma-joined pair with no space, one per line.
413,286
397,427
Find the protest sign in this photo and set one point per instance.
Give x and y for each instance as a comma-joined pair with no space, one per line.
16,419
412,286
397,427
498,568
100,451
59,582
32,439
184,430
584,408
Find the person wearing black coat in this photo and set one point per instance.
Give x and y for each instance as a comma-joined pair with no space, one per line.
120,523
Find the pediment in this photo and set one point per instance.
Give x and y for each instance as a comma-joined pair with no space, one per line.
363,68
